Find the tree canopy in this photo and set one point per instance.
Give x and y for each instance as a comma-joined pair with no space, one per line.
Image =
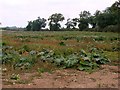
36,25
100,19
54,21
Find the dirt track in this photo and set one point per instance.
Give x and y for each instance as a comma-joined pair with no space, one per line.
106,77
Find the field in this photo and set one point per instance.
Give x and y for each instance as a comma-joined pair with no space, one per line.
60,59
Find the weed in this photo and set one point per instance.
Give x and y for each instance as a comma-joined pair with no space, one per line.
42,70
15,77
62,44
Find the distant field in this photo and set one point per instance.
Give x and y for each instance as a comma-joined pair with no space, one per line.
64,41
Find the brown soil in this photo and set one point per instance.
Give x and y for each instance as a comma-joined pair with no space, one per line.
105,77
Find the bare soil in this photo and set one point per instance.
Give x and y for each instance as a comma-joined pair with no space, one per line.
106,77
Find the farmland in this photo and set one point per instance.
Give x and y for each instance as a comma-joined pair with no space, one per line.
47,52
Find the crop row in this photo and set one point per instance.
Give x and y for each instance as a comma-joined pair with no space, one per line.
94,38
82,60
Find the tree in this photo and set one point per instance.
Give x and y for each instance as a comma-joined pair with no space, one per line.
29,26
85,15
110,16
84,20
83,24
115,11
105,19
92,21
54,21
71,23
37,24
97,13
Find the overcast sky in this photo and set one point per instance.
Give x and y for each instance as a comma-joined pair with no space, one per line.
18,12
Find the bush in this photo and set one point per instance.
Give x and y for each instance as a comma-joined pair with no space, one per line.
112,28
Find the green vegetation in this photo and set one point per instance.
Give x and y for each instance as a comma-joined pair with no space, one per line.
80,50
62,43
15,76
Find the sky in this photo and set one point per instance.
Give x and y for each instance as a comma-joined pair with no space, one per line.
19,12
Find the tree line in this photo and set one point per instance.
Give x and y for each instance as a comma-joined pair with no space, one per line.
110,17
